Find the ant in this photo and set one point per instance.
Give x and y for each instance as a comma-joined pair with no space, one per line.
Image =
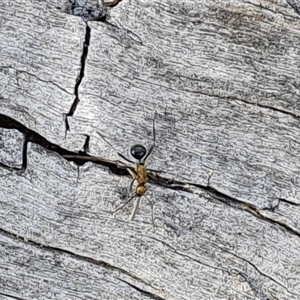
139,172
139,152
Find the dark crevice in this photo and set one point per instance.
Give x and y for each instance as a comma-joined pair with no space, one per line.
287,201
82,157
254,210
36,138
276,207
88,10
101,18
11,296
86,146
171,183
24,160
221,197
111,3
275,109
82,258
288,113
147,294
86,44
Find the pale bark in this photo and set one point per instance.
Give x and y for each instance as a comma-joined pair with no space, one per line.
221,80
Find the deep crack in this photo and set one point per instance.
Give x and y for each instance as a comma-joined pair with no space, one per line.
148,294
36,138
11,296
73,107
119,168
83,258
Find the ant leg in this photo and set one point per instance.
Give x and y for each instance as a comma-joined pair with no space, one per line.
126,202
152,147
149,152
135,208
151,206
153,130
131,184
121,155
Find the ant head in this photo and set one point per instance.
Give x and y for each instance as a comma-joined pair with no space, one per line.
138,151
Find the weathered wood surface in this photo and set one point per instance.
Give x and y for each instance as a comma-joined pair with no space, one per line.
221,79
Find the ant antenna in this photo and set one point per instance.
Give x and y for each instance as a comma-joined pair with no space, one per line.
120,154
153,145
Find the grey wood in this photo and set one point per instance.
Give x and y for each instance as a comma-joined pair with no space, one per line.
220,78
40,63
76,278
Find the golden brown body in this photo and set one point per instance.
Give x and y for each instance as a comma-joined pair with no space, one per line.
141,173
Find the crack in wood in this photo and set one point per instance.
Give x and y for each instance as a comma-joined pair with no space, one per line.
260,105
34,137
150,295
189,257
111,3
11,296
119,168
255,267
80,257
245,206
287,201
76,101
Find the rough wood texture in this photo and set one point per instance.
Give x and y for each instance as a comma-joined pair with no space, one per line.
40,59
221,79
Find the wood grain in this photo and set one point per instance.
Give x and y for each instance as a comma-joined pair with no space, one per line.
220,78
